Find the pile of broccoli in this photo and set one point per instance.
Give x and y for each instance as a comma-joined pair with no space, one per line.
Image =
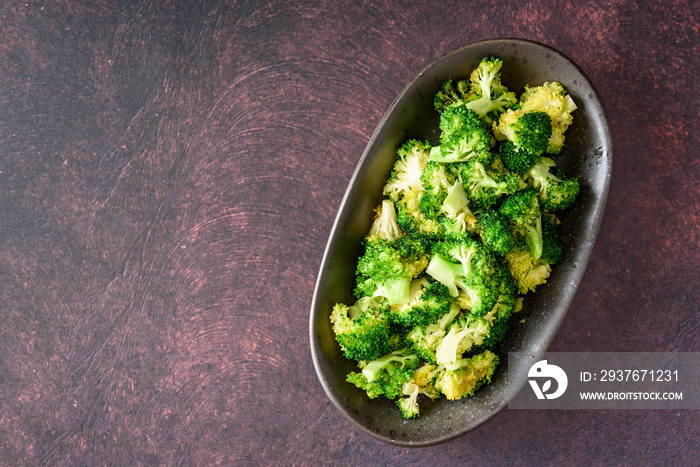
467,228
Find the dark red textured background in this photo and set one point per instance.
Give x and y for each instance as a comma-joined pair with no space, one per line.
169,173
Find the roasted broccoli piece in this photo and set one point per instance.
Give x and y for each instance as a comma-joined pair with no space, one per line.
362,330
386,375
522,209
556,190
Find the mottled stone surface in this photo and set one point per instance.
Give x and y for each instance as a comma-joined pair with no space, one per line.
169,173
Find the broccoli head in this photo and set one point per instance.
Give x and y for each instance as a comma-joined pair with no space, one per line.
522,209
386,375
411,159
552,99
527,130
362,330
527,271
451,94
489,96
387,268
428,302
556,190
518,160
484,186
495,232
385,226
464,137
467,376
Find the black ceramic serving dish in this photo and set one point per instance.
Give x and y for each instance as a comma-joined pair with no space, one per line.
587,153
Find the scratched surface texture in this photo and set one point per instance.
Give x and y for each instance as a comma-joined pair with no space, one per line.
169,173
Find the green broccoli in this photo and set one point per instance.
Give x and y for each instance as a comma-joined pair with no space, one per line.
528,131
465,137
437,181
484,186
522,209
556,190
468,375
517,160
528,272
468,269
500,314
424,339
428,302
451,94
385,226
411,159
465,332
362,330
489,96
552,248
495,232
386,375
555,101
387,268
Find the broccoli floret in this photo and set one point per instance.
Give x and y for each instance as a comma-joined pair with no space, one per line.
387,268
462,148
422,382
467,269
451,94
495,232
500,314
552,248
517,160
385,225
556,102
437,181
485,186
556,190
522,209
468,376
489,96
411,159
465,332
386,375
527,272
412,221
409,405
362,330
428,302
459,120
527,130
424,339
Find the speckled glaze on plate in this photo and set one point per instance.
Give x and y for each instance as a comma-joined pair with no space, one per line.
587,152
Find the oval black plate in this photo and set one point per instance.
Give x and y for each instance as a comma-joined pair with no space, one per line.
587,152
